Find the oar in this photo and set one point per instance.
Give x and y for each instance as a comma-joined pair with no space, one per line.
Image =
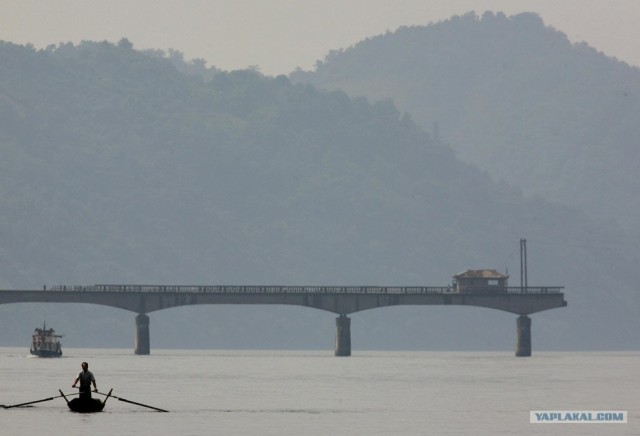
33,402
132,402
108,395
65,398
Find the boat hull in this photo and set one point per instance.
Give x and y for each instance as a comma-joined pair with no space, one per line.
46,353
90,405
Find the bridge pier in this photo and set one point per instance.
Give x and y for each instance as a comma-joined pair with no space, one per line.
343,336
523,336
142,343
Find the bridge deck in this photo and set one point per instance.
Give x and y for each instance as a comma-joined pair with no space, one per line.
341,300
268,289
336,299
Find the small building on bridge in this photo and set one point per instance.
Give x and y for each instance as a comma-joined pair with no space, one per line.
480,280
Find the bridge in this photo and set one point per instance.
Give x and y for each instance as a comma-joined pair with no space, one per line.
341,300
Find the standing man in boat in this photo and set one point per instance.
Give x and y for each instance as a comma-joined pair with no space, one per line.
86,378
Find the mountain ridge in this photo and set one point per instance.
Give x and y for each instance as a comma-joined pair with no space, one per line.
119,168
515,98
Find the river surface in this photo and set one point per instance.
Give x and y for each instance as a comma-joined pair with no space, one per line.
314,393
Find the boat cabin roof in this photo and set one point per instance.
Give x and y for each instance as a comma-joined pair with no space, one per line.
480,274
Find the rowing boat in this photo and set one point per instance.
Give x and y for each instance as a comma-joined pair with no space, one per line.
86,405
83,405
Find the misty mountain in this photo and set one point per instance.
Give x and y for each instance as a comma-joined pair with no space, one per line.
516,98
121,166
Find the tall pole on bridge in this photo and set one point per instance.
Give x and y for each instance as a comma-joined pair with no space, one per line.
523,322
524,279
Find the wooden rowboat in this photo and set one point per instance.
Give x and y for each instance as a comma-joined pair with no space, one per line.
83,405
86,405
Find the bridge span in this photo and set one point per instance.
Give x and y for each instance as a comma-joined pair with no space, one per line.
341,300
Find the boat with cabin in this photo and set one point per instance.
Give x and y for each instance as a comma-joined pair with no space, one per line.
45,342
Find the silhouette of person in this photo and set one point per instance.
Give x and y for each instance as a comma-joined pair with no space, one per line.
86,378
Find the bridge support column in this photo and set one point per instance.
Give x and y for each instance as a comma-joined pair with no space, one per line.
523,336
142,343
343,336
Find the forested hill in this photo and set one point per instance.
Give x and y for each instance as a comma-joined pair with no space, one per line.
514,97
118,168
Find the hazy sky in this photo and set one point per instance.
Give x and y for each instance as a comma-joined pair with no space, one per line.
280,35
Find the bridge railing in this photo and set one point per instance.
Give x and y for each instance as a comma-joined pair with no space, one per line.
266,289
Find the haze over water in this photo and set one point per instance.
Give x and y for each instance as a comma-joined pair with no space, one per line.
315,393
288,392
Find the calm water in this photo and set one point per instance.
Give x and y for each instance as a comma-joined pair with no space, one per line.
315,393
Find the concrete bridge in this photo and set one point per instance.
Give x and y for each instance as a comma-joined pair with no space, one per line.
341,300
